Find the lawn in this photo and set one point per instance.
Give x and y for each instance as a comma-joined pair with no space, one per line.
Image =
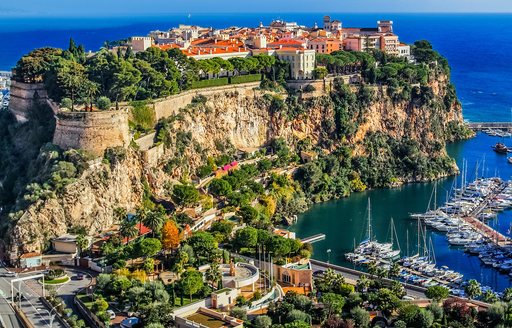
57,281
86,299
186,300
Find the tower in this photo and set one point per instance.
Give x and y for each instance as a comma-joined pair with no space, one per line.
385,26
327,23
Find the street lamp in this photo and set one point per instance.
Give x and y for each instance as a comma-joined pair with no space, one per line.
328,255
52,317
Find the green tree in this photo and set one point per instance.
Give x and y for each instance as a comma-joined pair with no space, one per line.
71,78
246,237
220,188
191,282
262,321
213,275
204,245
185,195
155,220
128,229
333,303
472,289
387,301
361,317
124,81
149,247
437,293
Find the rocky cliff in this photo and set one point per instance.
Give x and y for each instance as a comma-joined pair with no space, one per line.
221,121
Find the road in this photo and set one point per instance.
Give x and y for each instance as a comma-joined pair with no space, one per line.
353,275
31,305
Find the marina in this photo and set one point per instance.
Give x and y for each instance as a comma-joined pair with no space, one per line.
343,219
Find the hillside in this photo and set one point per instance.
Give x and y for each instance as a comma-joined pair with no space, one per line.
375,134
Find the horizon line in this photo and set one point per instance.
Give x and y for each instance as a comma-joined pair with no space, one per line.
33,15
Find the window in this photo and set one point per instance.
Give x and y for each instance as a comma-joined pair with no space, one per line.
286,278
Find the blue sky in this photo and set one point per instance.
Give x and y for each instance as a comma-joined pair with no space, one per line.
155,7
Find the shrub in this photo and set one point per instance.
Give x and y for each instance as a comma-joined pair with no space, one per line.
66,103
239,313
143,117
245,78
309,88
103,103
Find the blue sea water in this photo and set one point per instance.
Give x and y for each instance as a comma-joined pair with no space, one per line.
478,46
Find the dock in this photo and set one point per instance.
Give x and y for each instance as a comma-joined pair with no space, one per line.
313,238
489,125
494,236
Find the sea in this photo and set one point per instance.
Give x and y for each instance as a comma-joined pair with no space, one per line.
478,48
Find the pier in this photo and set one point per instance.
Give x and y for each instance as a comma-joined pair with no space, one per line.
313,238
489,125
472,219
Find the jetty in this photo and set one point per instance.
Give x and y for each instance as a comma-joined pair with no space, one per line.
313,238
477,126
492,235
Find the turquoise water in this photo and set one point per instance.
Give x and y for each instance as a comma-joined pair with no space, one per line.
344,221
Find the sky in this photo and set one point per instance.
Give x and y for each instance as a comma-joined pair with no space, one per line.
49,8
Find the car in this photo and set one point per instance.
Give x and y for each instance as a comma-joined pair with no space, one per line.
79,276
8,274
318,273
111,314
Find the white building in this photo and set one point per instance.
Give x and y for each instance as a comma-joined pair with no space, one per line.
404,50
302,61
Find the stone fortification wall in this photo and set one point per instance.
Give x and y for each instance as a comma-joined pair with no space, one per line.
24,96
170,106
92,131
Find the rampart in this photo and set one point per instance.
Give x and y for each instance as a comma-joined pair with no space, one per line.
92,132
169,106
25,96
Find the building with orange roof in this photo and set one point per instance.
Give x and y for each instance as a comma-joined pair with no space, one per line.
325,45
30,260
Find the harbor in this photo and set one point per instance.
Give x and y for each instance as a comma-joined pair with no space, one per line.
343,219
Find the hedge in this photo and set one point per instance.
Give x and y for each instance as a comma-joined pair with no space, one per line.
245,78
210,83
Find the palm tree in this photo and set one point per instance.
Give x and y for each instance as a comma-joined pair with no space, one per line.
81,242
473,289
120,214
128,229
141,216
363,283
213,275
154,220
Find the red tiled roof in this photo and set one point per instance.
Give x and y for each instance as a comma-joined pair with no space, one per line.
167,46
30,255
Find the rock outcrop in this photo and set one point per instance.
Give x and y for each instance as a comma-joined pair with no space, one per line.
238,118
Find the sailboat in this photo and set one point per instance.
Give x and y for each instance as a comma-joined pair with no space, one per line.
372,249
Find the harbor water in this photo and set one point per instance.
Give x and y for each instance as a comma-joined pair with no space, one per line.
344,221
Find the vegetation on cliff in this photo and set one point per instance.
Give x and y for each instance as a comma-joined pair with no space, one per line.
72,76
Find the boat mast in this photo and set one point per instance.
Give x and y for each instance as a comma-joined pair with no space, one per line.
407,234
369,220
435,196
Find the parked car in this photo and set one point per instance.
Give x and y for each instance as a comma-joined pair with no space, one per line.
8,274
111,314
79,276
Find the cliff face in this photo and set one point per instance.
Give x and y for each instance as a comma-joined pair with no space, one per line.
223,120
89,202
